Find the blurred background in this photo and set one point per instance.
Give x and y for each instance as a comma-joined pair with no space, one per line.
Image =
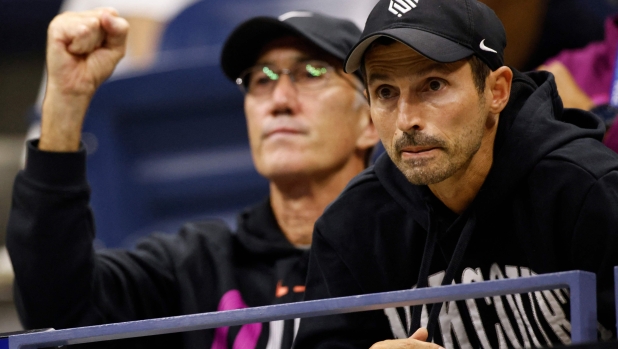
166,135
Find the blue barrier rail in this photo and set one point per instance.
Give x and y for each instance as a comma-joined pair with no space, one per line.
582,287
616,295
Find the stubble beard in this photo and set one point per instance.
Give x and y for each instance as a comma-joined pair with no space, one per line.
450,158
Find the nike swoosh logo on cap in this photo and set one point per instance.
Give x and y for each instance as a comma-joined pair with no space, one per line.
284,17
485,48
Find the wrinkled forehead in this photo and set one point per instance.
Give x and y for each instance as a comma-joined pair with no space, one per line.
295,48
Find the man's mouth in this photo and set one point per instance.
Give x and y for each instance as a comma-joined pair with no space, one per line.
418,152
282,131
418,149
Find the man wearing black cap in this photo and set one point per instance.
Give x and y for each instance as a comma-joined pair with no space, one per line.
310,133
487,177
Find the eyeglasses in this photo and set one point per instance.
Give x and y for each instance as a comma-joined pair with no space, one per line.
261,80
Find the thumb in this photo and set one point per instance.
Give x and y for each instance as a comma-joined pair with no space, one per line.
421,334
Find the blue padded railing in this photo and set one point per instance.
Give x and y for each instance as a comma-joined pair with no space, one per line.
615,295
582,287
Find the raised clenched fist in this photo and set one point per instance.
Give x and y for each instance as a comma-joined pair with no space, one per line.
83,49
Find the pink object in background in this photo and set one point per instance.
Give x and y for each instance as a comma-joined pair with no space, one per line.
592,67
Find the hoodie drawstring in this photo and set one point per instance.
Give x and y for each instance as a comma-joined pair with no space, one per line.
455,262
428,250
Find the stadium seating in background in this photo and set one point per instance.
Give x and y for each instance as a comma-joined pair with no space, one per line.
205,23
168,146
197,25
569,24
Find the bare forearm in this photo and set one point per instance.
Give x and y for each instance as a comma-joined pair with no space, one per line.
62,118
83,49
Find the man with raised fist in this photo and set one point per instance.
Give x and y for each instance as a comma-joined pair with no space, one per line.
309,131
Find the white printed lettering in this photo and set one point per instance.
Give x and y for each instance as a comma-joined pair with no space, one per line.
451,322
554,315
496,274
395,322
469,276
513,273
501,339
275,334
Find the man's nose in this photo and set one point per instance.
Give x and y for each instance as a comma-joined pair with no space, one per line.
284,90
409,115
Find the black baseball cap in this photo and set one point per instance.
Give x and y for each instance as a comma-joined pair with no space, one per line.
442,30
334,35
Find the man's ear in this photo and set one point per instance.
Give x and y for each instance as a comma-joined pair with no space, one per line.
366,94
500,82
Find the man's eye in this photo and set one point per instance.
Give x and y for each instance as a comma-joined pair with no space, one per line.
435,85
263,80
260,79
385,92
305,75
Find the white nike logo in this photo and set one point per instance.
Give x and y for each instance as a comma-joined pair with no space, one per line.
485,48
284,17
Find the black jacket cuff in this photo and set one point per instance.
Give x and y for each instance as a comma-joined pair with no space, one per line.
55,168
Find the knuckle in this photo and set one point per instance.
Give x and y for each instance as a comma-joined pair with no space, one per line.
52,29
110,10
81,30
92,22
56,28
125,24
56,22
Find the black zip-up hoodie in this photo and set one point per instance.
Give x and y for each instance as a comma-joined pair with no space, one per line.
61,281
548,204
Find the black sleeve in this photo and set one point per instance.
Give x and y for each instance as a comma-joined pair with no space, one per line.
595,242
328,277
60,281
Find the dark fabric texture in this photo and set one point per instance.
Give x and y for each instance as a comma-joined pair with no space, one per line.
549,204
62,282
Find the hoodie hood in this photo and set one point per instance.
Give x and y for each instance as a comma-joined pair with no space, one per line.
532,125
532,132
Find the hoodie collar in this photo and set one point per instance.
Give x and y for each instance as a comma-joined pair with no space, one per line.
259,233
532,132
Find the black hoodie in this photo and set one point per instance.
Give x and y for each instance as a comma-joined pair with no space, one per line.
548,204
61,282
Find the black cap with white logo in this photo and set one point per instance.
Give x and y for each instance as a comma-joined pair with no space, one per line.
334,35
442,30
